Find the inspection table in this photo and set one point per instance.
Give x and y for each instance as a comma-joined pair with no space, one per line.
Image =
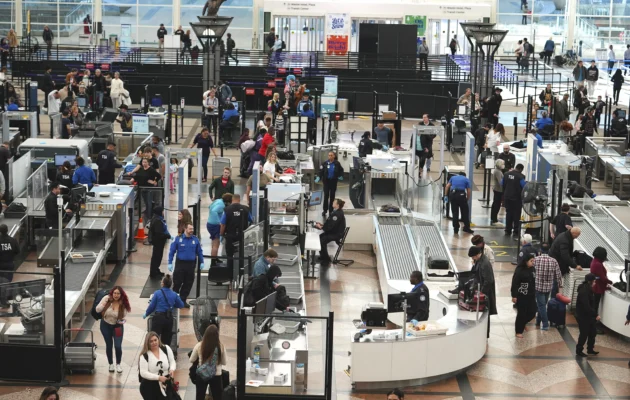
617,170
311,246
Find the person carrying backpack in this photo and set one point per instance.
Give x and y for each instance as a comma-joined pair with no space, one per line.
156,366
210,357
454,45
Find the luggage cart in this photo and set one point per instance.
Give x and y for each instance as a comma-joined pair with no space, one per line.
79,356
218,163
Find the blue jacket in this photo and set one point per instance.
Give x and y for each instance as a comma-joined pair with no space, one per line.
261,266
541,123
13,107
187,249
159,303
549,45
84,175
216,211
310,114
227,114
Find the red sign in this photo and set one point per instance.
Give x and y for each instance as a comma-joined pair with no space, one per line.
282,71
89,66
105,67
250,91
271,84
337,45
297,71
267,92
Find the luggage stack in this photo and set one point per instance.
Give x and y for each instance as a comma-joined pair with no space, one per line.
571,281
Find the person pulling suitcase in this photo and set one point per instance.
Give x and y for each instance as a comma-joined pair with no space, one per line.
163,301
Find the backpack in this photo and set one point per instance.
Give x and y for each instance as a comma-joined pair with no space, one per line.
208,370
282,299
284,45
97,300
146,358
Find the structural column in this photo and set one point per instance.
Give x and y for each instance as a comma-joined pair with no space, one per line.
18,9
257,6
571,7
177,14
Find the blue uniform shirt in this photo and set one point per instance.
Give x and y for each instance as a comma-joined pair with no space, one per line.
417,286
13,107
160,304
331,169
541,123
310,114
216,211
187,249
84,175
459,182
227,114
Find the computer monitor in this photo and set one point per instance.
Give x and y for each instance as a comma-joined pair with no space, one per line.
301,105
395,301
109,115
266,305
539,114
81,102
316,198
156,101
235,105
620,113
26,289
462,110
61,158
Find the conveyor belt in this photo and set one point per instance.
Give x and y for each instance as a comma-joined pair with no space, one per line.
76,274
389,220
397,251
430,237
589,239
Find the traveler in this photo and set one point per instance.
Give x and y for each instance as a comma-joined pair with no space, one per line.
497,189
224,93
366,147
204,142
418,302
277,48
211,109
477,240
161,32
209,351
13,42
269,258
221,185
548,277
562,250
48,85
156,366
179,32
579,74
519,54
117,89
454,45
230,45
626,59
482,270
263,181
185,38
587,316
526,248
270,166
494,138
383,134
98,83
262,286
107,163
513,184
83,175
48,37
549,48
602,283
395,394
480,144
457,192
580,99
145,177
189,254
525,11
270,39
423,54
330,172
508,157
163,301
157,142
50,207
9,248
87,25
333,230
561,110
159,235
617,81
213,225
235,219
183,219
49,393
546,96
599,109
114,308
426,143
524,294
611,59
466,98
592,76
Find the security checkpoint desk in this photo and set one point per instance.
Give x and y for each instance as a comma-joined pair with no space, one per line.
614,304
618,172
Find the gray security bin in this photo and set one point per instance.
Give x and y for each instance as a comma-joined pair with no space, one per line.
343,105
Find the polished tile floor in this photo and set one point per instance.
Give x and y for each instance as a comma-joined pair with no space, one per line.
542,365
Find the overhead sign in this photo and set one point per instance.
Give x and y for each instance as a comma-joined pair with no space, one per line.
271,84
337,45
267,92
140,123
250,91
418,20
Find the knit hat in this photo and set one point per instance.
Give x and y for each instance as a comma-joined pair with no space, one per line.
590,277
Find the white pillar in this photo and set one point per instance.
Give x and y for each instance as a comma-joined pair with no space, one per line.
571,14
177,14
257,6
17,9
97,11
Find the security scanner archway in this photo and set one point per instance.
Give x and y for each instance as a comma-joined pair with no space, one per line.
186,158
24,123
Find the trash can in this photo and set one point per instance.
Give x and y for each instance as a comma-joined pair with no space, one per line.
343,106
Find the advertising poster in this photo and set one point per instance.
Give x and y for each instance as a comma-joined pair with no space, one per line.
337,45
140,123
418,20
337,33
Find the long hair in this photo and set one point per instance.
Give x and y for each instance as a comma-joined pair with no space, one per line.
186,219
210,343
124,301
147,346
50,390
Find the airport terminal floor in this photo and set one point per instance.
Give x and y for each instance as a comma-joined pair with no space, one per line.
541,365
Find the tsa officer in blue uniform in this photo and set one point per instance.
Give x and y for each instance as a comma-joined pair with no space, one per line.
330,172
162,303
458,191
418,302
189,252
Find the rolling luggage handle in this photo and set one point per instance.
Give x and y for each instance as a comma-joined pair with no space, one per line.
78,330
91,344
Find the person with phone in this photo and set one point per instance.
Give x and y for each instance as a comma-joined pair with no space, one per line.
114,308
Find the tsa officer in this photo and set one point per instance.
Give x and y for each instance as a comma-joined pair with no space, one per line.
513,183
330,172
458,191
163,301
9,248
236,218
50,207
333,228
189,252
107,164
418,306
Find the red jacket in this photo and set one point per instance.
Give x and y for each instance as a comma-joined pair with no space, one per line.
267,140
597,268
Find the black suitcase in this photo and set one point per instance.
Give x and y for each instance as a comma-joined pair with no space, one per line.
556,312
435,263
582,259
229,392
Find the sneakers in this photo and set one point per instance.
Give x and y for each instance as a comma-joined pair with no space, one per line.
118,368
111,367
580,354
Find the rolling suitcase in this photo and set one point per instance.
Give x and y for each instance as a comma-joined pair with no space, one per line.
556,312
175,338
79,356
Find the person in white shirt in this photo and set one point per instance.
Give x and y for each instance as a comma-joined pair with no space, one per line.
493,140
210,350
626,59
54,105
211,108
611,59
116,91
270,166
156,366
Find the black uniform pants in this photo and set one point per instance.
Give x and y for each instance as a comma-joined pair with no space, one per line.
513,209
459,205
105,177
229,244
6,271
183,278
163,326
587,334
496,206
330,188
324,239
156,257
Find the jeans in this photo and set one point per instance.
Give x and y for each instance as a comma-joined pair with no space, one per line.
616,95
99,99
611,65
204,165
108,334
541,300
147,198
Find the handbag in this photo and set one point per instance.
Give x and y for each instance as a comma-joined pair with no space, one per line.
172,389
208,370
192,372
118,332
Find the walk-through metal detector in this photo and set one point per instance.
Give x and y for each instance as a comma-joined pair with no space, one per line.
184,157
469,165
427,130
254,200
27,120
